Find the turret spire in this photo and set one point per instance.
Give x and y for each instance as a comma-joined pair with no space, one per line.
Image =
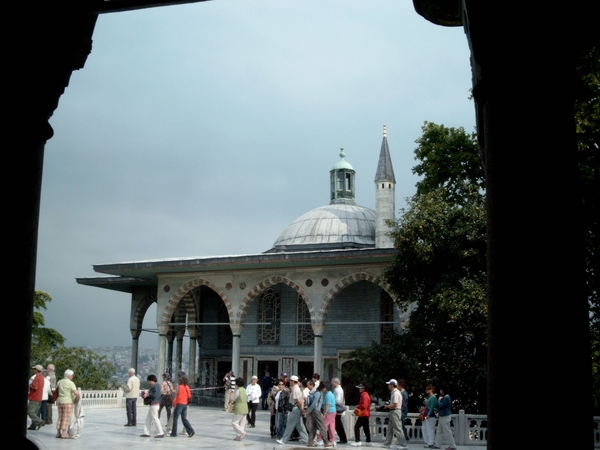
385,202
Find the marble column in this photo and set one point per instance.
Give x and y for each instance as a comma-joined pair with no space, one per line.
318,328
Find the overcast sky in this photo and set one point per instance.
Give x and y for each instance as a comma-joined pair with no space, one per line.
206,129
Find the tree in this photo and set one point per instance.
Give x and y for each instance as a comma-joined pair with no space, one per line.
43,340
92,371
587,128
440,270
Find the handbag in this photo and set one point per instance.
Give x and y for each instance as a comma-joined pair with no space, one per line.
423,413
340,408
229,408
54,396
359,412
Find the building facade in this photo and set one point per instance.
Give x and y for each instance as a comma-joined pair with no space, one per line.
300,307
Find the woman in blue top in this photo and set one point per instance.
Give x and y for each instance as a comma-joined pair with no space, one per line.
444,416
329,410
314,412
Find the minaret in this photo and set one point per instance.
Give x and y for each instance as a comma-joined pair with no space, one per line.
385,196
342,182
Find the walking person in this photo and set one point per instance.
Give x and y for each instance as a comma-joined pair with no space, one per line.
294,420
404,394
314,413
180,403
240,409
166,399
282,406
35,397
363,413
395,417
340,408
254,392
67,394
152,416
52,378
329,412
428,422
443,431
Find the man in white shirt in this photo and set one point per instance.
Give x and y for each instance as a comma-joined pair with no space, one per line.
395,422
294,419
340,403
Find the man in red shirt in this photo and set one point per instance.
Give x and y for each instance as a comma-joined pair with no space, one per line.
36,394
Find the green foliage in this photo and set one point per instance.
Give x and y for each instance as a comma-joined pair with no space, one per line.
439,271
92,371
587,127
449,159
43,340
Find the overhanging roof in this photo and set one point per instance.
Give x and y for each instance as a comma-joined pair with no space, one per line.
129,275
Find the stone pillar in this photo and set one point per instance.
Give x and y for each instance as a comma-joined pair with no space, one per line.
192,356
134,348
170,339
236,348
162,348
318,329
180,334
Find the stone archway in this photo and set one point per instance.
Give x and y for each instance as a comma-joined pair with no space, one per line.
343,284
184,289
269,282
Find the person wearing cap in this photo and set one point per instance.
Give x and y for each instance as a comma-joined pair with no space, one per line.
35,397
340,405
395,418
363,412
294,420
254,392
132,392
67,394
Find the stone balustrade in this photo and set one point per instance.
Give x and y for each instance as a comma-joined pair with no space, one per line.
105,399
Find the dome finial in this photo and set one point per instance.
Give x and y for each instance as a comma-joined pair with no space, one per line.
342,154
384,130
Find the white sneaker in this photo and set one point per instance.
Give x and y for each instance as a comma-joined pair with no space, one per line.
403,447
320,443
280,442
355,444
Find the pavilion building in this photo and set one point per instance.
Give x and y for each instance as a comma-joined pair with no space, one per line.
300,307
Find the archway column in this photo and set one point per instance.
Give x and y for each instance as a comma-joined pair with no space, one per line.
162,347
135,348
192,356
236,349
318,328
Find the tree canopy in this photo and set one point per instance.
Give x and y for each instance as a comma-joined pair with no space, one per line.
92,371
440,270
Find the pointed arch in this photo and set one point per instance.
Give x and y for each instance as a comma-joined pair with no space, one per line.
344,283
139,309
184,290
254,292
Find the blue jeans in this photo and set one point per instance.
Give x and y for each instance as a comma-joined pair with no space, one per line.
181,410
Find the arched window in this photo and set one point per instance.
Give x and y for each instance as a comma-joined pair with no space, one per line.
305,335
269,311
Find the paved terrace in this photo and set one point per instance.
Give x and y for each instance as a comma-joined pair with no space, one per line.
103,429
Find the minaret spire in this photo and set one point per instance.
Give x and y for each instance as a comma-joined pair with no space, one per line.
385,195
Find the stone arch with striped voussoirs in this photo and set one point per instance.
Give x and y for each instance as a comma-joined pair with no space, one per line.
139,309
182,291
344,283
254,292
